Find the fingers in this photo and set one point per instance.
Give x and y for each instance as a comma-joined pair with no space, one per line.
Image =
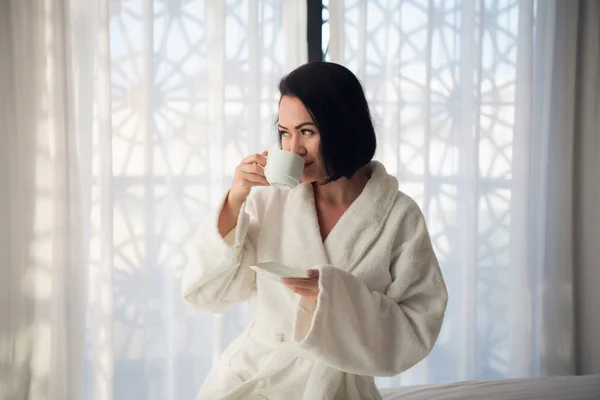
248,173
252,169
253,173
313,273
302,288
305,292
260,159
308,288
256,180
301,283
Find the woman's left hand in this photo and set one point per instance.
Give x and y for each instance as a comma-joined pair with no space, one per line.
307,288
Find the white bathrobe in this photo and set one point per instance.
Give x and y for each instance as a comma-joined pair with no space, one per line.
380,307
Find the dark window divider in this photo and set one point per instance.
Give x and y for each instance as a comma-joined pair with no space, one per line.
314,26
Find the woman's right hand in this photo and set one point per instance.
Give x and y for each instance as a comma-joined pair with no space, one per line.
248,174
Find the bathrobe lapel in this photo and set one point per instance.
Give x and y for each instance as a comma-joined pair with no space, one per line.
361,224
301,236
356,230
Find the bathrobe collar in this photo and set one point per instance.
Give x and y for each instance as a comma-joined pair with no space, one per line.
357,228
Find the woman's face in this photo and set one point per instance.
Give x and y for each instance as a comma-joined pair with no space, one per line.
300,135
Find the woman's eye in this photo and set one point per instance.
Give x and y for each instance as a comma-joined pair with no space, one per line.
283,133
307,132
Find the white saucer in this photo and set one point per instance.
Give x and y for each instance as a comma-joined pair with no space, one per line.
278,271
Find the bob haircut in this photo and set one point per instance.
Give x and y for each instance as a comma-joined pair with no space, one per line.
335,99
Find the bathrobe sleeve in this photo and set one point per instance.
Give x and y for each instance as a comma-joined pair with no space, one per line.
218,274
365,332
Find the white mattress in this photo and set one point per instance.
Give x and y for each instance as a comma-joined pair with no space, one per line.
553,388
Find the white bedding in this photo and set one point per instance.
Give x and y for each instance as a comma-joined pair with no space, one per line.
553,388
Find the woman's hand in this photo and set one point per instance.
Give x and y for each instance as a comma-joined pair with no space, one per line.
307,288
248,174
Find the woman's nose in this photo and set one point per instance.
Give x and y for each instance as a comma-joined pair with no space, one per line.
297,146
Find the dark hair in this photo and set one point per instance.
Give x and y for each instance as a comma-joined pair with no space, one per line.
335,99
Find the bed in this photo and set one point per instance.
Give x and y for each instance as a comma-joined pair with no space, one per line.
585,387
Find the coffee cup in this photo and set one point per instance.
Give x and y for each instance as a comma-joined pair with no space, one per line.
284,169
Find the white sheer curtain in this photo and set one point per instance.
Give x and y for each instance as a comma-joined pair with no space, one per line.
185,90
474,105
122,122
42,256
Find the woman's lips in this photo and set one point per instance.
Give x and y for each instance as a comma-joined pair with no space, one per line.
307,164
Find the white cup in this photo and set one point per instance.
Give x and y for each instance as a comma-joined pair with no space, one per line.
284,169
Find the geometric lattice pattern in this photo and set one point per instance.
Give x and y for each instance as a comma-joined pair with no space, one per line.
193,91
441,80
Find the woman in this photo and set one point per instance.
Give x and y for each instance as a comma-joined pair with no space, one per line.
376,298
